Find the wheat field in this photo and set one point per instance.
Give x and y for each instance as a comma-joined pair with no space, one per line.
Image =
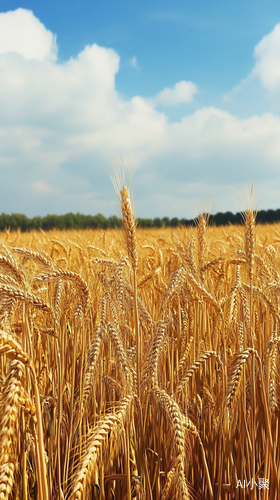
140,363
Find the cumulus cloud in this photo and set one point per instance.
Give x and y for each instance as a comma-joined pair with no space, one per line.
267,54
21,32
183,92
61,125
261,85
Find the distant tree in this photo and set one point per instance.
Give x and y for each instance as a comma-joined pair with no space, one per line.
101,221
114,221
19,221
270,216
158,222
277,215
145,223
174,222
75,221
51,221
36,222
4,221
222,219
166,221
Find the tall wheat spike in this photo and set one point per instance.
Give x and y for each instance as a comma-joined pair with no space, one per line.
9,422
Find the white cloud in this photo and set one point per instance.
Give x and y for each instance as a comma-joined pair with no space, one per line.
21,32
61,125
182,92
42,187
267,54
133,62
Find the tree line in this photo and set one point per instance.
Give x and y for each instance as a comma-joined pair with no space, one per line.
80,221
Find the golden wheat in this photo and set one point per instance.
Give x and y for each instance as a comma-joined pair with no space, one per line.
142,368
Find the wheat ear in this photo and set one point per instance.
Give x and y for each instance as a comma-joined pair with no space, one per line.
9,411
94,356
168,483
100,433
39,257
201,228
195,366
234,383
122,356
152,363
177,425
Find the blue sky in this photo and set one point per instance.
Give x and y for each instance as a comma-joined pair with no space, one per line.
187,92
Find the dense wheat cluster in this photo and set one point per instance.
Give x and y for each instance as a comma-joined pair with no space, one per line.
140,364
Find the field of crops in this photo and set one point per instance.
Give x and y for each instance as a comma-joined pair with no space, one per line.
140,363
